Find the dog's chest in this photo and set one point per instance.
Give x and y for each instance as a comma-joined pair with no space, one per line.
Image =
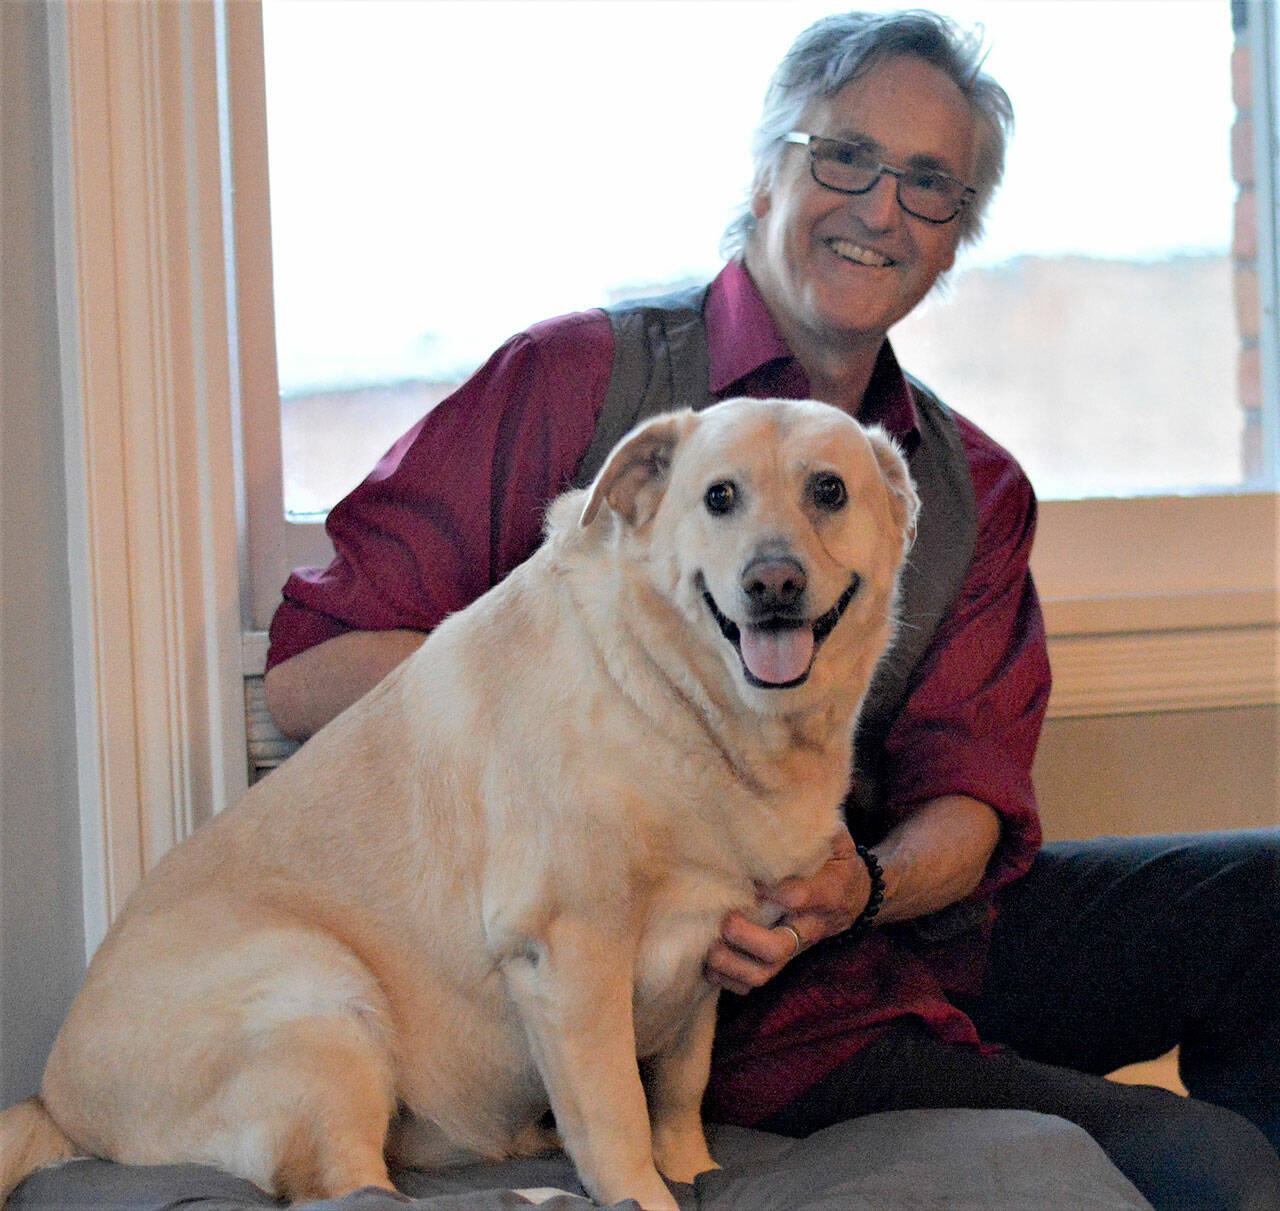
687,908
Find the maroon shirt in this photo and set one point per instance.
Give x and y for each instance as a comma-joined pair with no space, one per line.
458,502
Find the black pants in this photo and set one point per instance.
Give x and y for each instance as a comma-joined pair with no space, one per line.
1107,953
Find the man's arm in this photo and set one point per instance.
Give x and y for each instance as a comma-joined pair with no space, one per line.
936,856
452,507
307,690
933,858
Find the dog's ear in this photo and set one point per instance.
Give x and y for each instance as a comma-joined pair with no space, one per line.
904,504
634,476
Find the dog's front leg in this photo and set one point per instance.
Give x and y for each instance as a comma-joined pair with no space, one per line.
677,1080
573,989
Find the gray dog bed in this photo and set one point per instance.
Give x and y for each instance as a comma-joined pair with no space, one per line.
912,1160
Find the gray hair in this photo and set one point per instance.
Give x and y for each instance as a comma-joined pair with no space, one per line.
838,49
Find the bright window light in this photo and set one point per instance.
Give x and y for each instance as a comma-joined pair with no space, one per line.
443,174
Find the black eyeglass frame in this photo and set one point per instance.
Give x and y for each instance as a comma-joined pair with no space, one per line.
882,169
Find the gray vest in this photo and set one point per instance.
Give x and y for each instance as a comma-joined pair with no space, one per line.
660,362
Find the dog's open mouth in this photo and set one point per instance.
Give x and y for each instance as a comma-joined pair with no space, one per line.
777,653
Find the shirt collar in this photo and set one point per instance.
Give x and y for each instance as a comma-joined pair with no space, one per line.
742,338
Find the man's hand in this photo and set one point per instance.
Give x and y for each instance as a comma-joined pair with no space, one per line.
936,856
747,955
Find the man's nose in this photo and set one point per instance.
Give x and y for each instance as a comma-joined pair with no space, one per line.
878,207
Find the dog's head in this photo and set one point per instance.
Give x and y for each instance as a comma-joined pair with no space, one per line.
777,529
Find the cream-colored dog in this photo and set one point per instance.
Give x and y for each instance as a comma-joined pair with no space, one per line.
489,886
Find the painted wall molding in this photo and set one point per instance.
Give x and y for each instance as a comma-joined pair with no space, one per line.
1126,655
1162,668
150,420
1133,674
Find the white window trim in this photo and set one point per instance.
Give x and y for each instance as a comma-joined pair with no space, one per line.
149,408
1152,604
1264,47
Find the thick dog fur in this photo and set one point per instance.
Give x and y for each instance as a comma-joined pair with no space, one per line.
488,887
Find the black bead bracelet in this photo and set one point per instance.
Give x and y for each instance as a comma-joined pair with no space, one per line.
866,918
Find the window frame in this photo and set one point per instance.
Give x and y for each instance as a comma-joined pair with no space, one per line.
1105,567
1263,24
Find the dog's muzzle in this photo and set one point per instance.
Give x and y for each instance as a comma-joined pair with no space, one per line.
777,651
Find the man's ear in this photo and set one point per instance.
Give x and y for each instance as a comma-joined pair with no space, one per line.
904,504
760,198
634,476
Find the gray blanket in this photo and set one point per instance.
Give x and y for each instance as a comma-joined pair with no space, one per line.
914,1160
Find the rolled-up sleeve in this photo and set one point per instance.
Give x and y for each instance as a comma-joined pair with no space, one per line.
972,721
459,500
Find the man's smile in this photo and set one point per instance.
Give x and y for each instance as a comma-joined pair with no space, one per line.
849,251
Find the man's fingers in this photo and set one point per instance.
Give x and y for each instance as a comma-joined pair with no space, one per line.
760,944
827,902
795,934
748,955
729,968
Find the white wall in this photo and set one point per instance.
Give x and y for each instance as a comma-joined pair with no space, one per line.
41,931
1177,771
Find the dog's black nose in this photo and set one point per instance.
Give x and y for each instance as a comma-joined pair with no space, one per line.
773,583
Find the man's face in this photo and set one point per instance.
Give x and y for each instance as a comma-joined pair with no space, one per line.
840,268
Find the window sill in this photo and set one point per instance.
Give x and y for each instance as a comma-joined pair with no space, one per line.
1110,656
1152,604
1135,655
1160,603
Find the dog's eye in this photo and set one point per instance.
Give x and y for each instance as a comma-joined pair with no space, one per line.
828,492
721,497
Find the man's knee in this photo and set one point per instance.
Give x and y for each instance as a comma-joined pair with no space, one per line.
1192,1156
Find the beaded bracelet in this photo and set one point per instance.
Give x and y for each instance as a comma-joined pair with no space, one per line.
866,918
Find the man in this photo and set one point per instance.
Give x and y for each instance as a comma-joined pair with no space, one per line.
880,145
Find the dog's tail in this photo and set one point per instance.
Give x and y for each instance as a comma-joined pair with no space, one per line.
29,1140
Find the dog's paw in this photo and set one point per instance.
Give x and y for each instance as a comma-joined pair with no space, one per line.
647,1189
682,1155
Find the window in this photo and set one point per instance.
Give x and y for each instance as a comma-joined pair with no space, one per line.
1096,331
435,187
1120,274
1132,565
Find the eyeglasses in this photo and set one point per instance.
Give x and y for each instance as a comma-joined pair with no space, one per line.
926,193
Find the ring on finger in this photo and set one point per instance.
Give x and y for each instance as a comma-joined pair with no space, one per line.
795,933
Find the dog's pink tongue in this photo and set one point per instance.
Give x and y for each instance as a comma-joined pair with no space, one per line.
777,657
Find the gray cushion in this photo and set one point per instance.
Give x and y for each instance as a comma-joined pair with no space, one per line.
911,1160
